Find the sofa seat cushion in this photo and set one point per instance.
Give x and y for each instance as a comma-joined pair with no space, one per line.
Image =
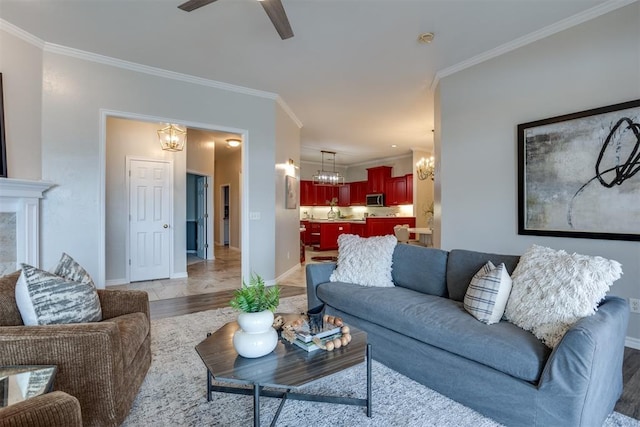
442,323
133,328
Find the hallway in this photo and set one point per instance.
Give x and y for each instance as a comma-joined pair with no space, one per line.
205,277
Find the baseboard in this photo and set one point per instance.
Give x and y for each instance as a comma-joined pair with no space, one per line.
116,282
181,275
632,343
292,270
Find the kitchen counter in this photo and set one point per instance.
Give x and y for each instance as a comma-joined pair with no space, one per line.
323,233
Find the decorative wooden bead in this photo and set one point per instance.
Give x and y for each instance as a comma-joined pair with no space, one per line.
348,337
344,340
345,329
337,343
329,346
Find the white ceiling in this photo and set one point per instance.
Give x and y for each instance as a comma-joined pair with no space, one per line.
354,74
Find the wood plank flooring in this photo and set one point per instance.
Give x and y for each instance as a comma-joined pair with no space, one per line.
629,403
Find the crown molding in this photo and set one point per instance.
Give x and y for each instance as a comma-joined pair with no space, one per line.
133,66
21,34
289,111
159,72
552,29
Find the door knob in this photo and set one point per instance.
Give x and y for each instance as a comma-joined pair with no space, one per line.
165,226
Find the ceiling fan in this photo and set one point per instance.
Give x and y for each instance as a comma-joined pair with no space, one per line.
274,10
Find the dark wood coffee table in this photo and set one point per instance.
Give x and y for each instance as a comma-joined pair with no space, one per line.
287,367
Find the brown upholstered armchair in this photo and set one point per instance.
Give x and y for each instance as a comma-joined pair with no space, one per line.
102,364
56,409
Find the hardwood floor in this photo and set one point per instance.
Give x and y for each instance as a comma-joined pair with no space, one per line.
629,403
194,303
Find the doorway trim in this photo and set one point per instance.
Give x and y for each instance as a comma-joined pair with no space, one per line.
210,205
102,168
221,213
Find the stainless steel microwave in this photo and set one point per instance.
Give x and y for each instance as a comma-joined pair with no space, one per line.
375,199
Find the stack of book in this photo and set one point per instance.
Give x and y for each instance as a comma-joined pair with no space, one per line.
304,339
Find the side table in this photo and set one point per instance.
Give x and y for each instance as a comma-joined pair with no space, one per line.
19,383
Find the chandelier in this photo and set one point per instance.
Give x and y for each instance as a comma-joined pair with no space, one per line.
425,168
172,138
331,177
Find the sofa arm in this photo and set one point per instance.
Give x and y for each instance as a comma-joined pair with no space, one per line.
316,274
115,303
88,356
583,375
55,409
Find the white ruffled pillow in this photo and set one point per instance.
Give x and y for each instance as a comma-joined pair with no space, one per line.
365,261
552,290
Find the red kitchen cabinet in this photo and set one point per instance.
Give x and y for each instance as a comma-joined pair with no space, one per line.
409,178
316,195
344,195
396,191
359,229
307,193
358,192
329,232
376,178
399,190
384,226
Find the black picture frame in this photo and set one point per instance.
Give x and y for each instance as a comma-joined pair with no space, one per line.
578,174
3,146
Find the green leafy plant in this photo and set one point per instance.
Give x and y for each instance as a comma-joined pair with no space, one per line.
255,296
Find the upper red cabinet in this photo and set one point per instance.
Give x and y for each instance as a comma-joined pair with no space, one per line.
358,192
377,178
399,190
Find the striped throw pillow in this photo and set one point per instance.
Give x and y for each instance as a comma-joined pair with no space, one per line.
488,292
44,298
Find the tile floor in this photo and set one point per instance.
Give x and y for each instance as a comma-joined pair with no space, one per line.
222,273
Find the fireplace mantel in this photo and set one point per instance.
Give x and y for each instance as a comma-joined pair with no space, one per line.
21,188
22,197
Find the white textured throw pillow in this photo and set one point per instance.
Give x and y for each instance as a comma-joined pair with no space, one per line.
488,293
44,298
552,290
365,261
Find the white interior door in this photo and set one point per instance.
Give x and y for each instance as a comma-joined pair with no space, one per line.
201,203
150,228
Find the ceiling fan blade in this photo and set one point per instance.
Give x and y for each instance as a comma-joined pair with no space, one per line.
278,17
194,4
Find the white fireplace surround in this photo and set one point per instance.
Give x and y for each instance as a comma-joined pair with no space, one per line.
23,197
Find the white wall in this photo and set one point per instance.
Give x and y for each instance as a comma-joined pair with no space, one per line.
21,68
287,247
591,65
77,90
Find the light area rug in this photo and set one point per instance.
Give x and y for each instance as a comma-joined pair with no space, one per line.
173,393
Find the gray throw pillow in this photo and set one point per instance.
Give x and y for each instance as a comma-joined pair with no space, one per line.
44,298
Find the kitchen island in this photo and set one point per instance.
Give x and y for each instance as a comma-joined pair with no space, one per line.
323,234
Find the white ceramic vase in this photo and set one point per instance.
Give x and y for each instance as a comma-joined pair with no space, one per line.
256,336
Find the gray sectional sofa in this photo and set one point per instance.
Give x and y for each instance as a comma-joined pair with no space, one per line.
420,329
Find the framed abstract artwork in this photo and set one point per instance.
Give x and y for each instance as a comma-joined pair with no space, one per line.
578,174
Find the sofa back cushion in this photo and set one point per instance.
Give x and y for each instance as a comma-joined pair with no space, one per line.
463,264
420,269
9,313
